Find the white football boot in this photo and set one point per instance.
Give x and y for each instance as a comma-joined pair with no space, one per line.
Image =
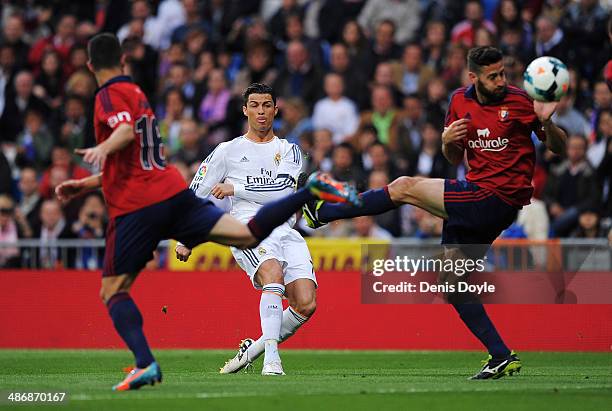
241,359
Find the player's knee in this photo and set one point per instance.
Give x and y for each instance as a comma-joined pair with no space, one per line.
113,285
305,307
401,188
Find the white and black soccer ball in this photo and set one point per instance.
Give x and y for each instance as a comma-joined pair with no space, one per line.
546,79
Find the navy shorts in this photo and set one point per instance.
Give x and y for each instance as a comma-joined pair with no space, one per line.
475,214
131,238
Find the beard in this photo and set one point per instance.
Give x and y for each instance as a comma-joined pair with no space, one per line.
491,96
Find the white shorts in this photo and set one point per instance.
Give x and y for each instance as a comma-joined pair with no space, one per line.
285,245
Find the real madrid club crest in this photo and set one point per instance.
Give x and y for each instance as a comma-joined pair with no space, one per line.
277,159
261,251
503,113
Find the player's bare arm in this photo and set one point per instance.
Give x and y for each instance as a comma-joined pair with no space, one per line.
451,136
70,189
120,138
555,137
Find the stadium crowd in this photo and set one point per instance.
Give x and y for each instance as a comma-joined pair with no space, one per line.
363,87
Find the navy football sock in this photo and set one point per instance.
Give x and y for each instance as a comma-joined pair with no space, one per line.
276,213
374,202
479,323
128,323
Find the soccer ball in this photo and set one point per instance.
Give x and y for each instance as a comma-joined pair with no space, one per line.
546,79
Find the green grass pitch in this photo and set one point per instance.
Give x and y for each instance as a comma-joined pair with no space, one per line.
353,380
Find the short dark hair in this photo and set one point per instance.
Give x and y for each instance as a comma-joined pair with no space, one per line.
478,57
258,88
104,51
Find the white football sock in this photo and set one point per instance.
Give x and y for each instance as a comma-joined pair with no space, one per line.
292,320
271,315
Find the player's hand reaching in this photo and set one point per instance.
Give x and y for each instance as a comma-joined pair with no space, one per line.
69,189
544,110
182,252
96,156
456,131
222,190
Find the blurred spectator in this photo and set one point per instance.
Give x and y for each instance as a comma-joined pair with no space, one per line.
426,225
602,100
295,121
179,77
30,202
170,121
213,108
589,225
584,24
436,102
405,15
388,74
17,104
72,133
409,130
570,119
322,147
431,162
336,112
152,31
464,32
571,188
192,19
377,159
294,31
278,22
434,45
193,149
6,178
414,75
258,69
62,41
383,116
358,47
344,167
354,79
9,232
299,78
49,85
141,64
13,34
549,39
453,67
384,47
366,227
90,225
61,159
54,227
34,143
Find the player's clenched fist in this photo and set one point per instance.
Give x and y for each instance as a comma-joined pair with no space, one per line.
182,252
455,131
222,190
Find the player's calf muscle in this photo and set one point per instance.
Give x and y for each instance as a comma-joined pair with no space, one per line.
426,193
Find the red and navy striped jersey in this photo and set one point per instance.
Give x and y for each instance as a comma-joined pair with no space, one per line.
137,175
500,152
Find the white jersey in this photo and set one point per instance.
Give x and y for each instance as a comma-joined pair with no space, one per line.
259,172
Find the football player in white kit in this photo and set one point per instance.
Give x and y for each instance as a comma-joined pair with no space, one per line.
252,170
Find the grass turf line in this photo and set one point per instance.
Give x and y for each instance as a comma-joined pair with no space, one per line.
328,379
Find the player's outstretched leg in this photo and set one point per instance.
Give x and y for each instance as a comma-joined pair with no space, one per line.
128,323
319,186
426,193
302,295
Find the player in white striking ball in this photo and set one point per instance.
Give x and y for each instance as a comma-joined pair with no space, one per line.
252,170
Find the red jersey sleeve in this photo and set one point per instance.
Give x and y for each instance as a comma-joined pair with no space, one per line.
113,108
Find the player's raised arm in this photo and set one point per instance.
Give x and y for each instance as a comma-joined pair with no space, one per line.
452,140
555,137
284,184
